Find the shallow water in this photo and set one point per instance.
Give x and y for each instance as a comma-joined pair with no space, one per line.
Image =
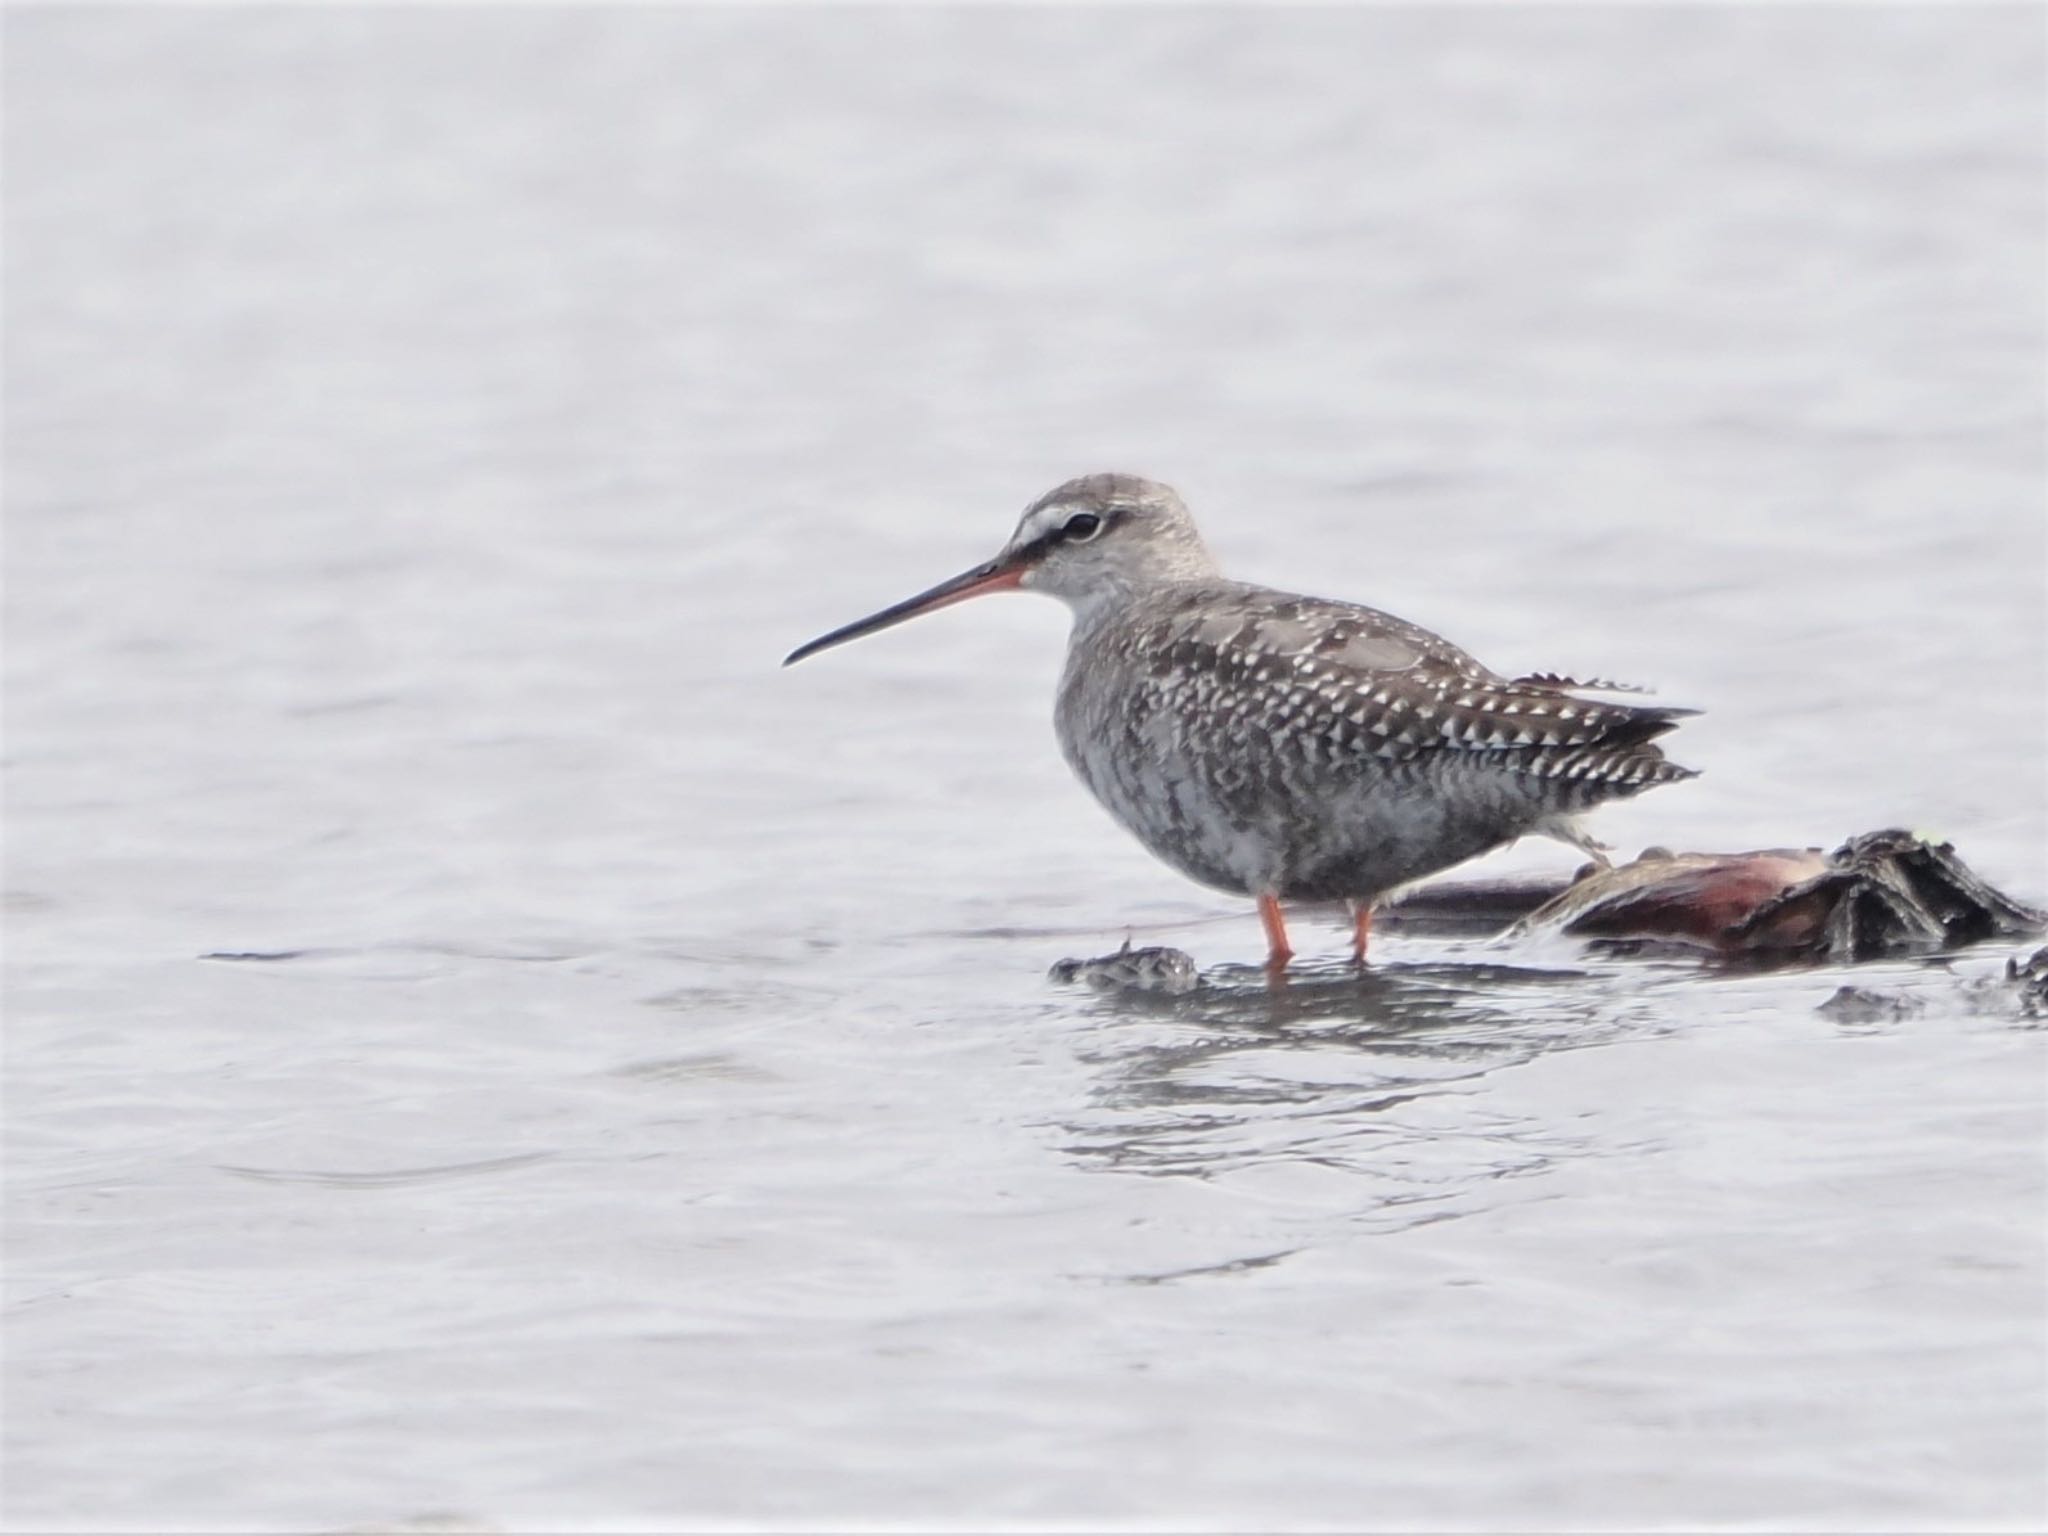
426,432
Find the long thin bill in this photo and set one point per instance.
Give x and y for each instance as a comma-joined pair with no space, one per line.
993,577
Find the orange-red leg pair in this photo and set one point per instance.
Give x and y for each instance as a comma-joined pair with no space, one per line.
1279,951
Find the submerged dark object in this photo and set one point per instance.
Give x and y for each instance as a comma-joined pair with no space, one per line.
2028,981
2020,992
1880,894
1860,1005
1155,968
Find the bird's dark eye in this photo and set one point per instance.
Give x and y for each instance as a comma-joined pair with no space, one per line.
1081,527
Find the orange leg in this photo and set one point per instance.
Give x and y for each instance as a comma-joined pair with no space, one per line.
1361,929
1278,950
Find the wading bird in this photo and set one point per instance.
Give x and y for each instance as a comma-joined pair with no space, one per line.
1289,748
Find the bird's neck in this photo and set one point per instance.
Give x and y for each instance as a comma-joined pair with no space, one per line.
1111,602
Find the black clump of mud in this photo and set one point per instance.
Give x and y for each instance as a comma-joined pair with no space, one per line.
1155,968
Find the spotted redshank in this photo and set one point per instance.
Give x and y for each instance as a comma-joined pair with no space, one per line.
1289,748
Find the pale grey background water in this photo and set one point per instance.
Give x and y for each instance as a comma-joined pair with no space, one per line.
427,429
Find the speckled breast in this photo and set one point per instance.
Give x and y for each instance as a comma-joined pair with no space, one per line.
1207,746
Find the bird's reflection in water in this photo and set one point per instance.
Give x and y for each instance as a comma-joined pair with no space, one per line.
1373,1085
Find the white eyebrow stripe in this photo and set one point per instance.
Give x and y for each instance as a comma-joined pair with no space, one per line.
1036,525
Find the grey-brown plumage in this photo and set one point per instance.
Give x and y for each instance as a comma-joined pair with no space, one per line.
1261,742
1287,747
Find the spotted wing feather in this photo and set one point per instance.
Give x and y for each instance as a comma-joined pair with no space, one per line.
1353,679
1558,683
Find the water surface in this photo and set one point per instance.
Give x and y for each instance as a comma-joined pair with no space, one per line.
428,429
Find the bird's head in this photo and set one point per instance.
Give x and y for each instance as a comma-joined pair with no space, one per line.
1091,541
